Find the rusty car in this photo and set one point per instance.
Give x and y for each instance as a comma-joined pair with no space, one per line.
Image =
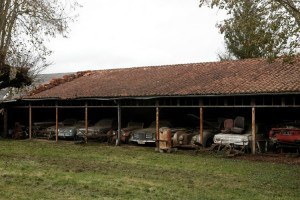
19,131
190,138
39,129
67,129
96,132
148,135
238,135
125,132
285,137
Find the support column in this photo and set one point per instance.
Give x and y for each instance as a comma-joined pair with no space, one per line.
30,122
201,125
118,141
86,123
56,124
253,132
157,127
5,129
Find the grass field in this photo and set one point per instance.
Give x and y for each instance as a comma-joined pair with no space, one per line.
46,170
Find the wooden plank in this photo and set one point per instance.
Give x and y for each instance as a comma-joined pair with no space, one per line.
118,141
30,122
157,127
86,123
56,124
253,132
201,125
5,125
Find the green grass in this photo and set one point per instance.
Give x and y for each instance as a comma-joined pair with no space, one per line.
46,170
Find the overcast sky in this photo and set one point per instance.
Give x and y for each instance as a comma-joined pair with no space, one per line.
132,33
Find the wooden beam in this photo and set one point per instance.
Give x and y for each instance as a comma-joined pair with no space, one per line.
5,127
157,127
253,131
118,141
30,122
56,124
86,123
201,125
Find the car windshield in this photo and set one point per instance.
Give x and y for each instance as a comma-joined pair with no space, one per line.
161,124
104,122
80,123
69,121
135,124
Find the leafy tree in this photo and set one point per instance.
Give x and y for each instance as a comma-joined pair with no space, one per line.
25,26
259,28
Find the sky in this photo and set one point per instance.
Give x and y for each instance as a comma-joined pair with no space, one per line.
133,33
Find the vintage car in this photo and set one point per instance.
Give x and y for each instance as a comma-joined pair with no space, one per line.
148,135
19,132
190,138
67,129
125,132
239,136
39,129
285,137
96,132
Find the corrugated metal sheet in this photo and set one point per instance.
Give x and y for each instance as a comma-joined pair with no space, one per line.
250,76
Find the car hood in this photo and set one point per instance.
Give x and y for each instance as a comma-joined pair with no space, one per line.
145,130
66,128
130,128
237,139
91,128
153,130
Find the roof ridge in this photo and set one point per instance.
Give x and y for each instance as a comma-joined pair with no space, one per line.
175,65
59,81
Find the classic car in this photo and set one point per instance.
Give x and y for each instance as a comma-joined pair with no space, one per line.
125,132
20,131
96,132
190,138
148,135
285,137
237,135
67,129
39,129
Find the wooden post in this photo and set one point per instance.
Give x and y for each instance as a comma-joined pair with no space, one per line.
86,123
118,141
5,129
157,127
201,126
56,124
253,132
30,122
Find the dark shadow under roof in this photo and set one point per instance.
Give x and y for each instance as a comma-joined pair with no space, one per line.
249,76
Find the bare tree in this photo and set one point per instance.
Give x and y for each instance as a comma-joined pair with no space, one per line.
25,26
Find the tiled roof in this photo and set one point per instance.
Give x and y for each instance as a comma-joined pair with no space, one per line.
249,76
38,80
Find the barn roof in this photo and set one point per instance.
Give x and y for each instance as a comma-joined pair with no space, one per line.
249,76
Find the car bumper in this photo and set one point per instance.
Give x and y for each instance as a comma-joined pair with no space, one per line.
142,141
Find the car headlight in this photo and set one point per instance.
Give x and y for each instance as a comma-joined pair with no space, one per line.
194,139
180,137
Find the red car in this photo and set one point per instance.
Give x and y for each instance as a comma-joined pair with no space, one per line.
285,137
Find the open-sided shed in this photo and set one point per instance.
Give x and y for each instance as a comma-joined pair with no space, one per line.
257,87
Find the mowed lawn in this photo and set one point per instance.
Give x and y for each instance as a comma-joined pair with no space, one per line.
46,170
